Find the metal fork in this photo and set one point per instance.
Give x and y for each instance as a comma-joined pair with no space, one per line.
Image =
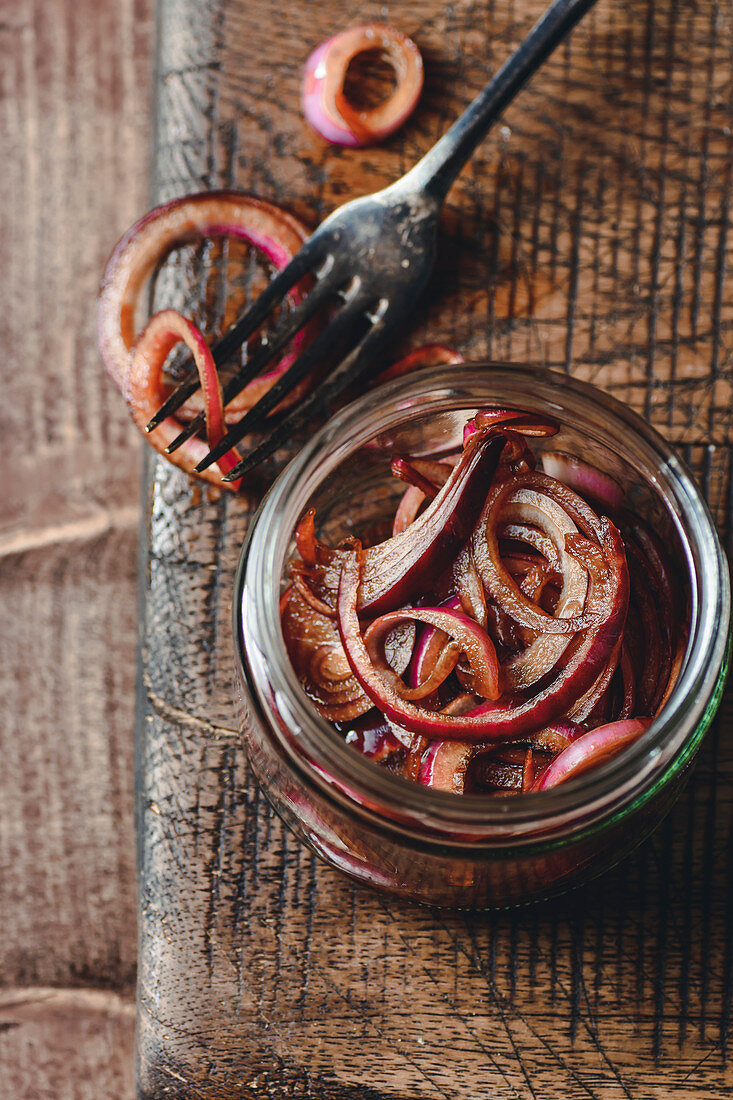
375,255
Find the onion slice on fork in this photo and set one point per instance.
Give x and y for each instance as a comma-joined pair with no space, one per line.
193,218
145,391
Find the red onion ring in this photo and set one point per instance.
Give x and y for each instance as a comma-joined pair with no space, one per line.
267,227
590,749
145,391
512,500
584,479
466,637
541,656
325,105
490,721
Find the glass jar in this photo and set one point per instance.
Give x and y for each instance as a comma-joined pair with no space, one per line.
436,847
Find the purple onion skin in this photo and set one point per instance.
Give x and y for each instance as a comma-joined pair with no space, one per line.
370,735
591,748
446,538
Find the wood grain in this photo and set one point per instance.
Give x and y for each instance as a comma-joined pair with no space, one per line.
590,234
68,1044
75,83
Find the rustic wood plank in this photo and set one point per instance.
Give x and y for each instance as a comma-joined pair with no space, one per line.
66,838
591,234
74,123
75,82
65,1044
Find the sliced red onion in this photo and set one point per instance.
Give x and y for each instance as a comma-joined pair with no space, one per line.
406,471
443,765
586,704
556,737
517,419
405,566
567,665
325,105
410,504
489,721
197,217
316,654
433,659
434,472
531,536
591,749
305,537
310,597
145,391
461,704
676,667
518,504
541,656
372,736
584,479
466,637
469,587
499,583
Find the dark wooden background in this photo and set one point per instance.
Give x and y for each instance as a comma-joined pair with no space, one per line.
591,233
75,99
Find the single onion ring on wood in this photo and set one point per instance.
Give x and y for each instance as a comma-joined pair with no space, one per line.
325,106
196,217
145,391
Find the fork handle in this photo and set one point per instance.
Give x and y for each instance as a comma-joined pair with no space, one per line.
436,171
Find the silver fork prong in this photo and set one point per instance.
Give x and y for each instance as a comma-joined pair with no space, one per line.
289,327
355,306
358,360
303,263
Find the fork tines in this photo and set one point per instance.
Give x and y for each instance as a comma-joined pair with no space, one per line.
274,293
348,323
348,371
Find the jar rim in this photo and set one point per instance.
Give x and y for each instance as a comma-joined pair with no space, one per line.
316,747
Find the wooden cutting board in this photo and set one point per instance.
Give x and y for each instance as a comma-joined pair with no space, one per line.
590,233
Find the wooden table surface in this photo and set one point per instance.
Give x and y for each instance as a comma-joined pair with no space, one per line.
591,233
